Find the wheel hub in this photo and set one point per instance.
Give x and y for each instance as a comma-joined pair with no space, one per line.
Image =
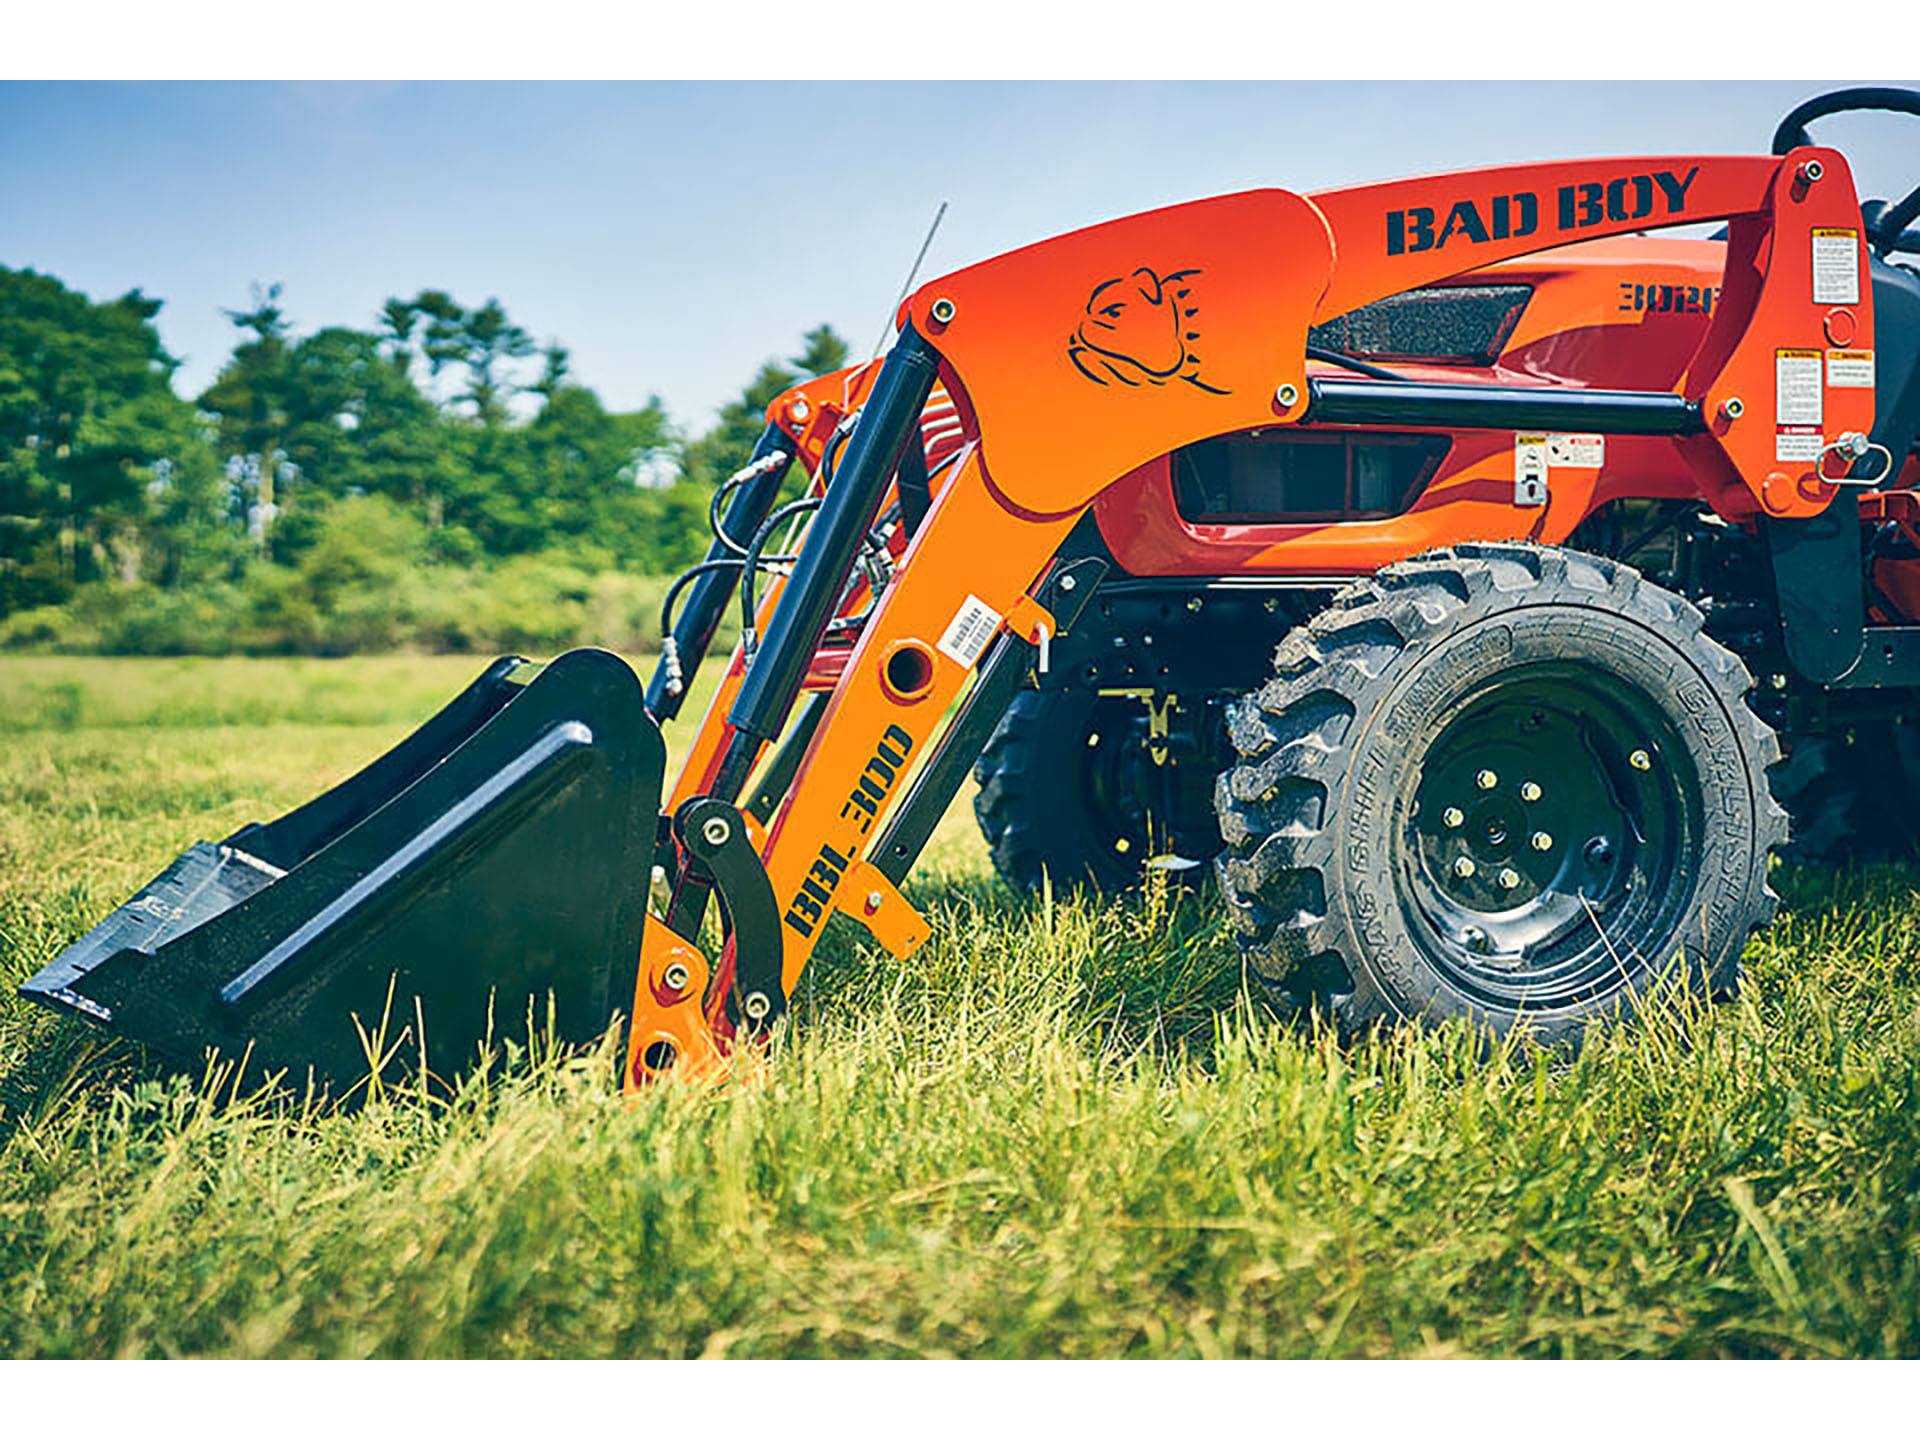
1535,820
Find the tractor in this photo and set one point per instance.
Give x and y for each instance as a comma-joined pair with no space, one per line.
1477,580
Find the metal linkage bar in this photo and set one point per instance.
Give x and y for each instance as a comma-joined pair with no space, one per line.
1337,401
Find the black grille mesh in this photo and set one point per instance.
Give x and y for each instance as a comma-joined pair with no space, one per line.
1454,324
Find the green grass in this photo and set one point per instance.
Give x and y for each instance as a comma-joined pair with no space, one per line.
1060,1130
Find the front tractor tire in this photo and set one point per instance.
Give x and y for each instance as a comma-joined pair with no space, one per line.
1506,784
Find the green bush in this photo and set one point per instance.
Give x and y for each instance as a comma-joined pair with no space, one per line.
369,577
55,629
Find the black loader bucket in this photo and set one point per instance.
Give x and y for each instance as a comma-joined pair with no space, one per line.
495,860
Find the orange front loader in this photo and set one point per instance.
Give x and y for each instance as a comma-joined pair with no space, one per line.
1509,778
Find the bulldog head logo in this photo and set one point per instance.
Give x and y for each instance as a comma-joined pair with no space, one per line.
1139,329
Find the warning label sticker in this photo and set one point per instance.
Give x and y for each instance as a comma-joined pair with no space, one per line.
972,626
1581,452
1530,469
1797,442
1850,369
1797,391
1836,267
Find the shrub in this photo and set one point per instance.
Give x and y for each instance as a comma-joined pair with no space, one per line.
367,577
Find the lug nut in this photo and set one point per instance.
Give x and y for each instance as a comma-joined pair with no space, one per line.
1542,840
1486,779
1529,791
1463,867
1476,939
676,977
1509,879
1452,817
1640,760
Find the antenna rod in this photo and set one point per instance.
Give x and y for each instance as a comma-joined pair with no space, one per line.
886,327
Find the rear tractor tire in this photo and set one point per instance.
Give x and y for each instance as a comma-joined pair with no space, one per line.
1854,795
1068,792
1507,784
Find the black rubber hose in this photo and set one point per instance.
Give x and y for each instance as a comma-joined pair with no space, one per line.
687,577
754,560
714,522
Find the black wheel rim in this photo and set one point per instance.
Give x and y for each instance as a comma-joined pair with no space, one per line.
1545,839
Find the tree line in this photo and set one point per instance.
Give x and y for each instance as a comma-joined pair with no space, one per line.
440,480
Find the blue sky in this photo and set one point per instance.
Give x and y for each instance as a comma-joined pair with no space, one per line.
674,235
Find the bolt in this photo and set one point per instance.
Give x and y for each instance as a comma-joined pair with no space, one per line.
1476,939
1194,603
1640,760
1733,407
1509,879
799,409
756,1005
1810,171
1486,779
1287,395
1272,604
1067,582
1529,791
942,310
716,831
1452,818
1463,867
676,977
873,901
1779,682
1542,840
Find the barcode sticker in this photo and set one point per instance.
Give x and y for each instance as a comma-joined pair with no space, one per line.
973,625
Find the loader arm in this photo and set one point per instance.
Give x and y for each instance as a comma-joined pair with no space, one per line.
1075,360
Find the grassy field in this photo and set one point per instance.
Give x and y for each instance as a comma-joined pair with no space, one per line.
1062,1130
